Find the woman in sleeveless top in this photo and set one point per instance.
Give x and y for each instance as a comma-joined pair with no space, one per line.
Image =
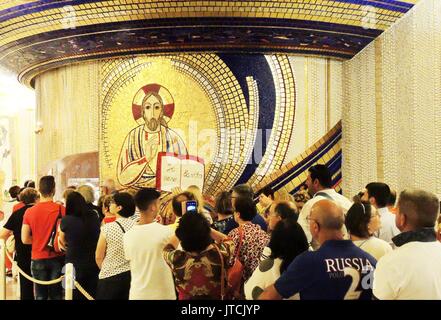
114,277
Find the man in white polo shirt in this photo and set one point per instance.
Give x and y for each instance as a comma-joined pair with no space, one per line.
319,182
413,270
377,194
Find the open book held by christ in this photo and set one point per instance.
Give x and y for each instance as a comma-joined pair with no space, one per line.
182,171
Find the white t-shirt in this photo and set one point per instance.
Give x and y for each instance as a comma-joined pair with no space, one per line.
374,246
152,279
264,276
344,203
388,227
412,271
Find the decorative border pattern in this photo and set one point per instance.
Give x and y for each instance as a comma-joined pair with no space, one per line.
292,175
39,35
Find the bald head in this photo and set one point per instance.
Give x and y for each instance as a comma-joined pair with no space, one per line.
285,209
328,214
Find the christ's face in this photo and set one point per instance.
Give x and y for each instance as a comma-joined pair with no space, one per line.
152,112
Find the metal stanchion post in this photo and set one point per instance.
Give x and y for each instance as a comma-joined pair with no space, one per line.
69,281
2,269
16,275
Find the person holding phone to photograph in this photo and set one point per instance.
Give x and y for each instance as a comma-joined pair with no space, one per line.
198,266
178,209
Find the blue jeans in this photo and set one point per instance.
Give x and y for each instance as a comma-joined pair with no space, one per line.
46,270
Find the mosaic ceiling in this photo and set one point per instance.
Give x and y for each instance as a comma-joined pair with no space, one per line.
38,35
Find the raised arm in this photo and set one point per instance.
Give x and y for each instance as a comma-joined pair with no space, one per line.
217,236
174,241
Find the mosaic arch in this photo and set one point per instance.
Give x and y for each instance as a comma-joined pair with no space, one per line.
221,106
39,35
227,65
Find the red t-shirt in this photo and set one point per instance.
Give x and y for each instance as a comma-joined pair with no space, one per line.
18,206
41,219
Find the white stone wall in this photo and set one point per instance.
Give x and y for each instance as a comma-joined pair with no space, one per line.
392,106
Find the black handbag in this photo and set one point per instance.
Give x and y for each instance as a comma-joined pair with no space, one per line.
52,238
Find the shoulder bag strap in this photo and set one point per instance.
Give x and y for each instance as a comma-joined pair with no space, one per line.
361,244
54,228
222,271
324,195
120,225
59,216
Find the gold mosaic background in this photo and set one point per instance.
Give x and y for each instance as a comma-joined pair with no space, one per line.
87,107
207,96
223,107
392,106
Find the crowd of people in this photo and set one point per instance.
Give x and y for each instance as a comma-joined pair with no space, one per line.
315,244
